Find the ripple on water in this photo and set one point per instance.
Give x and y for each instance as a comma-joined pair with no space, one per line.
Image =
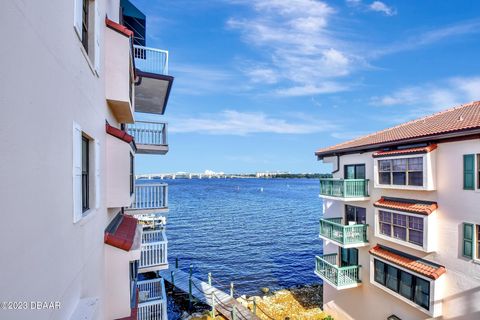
256,239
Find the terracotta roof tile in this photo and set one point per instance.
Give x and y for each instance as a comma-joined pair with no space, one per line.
123,234
415,264
120,134
417,150
463,117
408,205
118,27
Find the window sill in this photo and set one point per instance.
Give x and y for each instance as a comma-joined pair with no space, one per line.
85,55
87,216
403,187
404,243
399,296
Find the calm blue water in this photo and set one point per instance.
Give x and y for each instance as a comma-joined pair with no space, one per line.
241,234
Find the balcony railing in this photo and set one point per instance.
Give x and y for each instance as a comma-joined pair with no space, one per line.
341,277
344,188
152,300
151,60
149,133
345,235
154,248
151,196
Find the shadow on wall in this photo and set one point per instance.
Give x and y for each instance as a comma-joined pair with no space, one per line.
469,307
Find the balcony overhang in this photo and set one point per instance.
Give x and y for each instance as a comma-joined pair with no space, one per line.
345,199
152,92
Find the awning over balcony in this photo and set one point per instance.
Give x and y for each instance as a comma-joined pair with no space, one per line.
407,205
420,266
123,233
152,92
120,134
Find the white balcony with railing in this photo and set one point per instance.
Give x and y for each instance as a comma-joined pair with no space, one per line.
153,84
154,253
150,137
149,198
152,300
151,60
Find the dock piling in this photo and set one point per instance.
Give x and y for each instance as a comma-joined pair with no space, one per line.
190,288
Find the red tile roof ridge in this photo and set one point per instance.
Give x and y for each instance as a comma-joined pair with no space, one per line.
408,205
424,118
418,265
118,27
425,149
123,235
118,133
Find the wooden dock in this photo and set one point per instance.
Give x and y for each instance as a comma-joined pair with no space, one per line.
202,291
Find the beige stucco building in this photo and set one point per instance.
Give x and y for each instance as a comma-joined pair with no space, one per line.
401,228
78,230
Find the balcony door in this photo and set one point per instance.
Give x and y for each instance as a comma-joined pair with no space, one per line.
354,171
348,257
355,214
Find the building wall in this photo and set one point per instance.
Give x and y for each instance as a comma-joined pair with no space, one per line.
47,84
461,291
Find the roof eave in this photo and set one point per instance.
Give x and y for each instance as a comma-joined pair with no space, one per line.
365,148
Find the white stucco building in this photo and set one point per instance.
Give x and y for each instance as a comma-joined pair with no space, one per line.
401,227
78,230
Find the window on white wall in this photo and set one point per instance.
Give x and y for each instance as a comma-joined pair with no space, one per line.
401,227
403,171
87,24
471,241
86,173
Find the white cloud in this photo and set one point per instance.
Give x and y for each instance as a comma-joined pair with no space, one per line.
231,122
434,96
382,7
429,37
200,80
302,50
322,88
262,75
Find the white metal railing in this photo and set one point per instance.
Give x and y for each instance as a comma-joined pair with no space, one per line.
150,196
151,60
152,300
157,235
154,248
147,132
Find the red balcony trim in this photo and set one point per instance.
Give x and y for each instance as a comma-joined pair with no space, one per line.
123,235
119,28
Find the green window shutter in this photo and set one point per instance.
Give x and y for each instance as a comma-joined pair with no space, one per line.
468,240
469,171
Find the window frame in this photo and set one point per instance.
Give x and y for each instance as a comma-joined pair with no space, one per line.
407,171
356,213
425,246
85,24
376,261
474,241
428,172
86,174
132,174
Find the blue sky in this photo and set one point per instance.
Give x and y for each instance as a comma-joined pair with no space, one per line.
261,84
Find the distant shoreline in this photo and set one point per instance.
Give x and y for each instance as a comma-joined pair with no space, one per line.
233,176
